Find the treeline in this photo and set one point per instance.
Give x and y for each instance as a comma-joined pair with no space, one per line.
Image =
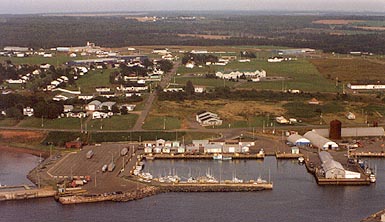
260,95
45,32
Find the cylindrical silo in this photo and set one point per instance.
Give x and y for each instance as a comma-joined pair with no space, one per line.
335,130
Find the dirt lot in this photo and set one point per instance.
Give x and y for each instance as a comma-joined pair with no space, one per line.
336,22
205,36
351,69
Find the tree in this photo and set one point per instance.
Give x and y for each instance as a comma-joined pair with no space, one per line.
15,113
124,110
165,65
115,109
189,88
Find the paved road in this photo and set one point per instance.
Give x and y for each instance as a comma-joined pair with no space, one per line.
152,96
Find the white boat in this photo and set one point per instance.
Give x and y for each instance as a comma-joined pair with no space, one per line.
221,157
372,178
301,159
218,157
227,158
260,181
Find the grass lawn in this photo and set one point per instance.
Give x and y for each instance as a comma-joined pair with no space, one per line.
255,121
202,81
56,60
124,122
61,123
8,122
300,74
94,78
159,123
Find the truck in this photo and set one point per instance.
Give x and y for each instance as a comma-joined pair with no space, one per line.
104,168
111,167
90,154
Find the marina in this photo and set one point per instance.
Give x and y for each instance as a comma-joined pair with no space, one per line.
290,179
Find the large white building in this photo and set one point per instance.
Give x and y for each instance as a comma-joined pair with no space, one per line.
238,74
320,141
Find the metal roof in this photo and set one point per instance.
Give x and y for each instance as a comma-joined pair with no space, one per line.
297,139
355,132
319,141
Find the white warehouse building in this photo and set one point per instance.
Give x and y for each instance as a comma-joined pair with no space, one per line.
320,141
298,140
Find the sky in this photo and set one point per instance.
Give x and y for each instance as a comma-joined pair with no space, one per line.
57,6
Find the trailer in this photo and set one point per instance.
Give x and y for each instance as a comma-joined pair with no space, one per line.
111,167
124,152
90,154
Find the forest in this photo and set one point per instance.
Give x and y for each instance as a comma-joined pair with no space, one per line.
39,31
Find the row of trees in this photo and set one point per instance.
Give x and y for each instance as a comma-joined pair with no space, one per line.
292,31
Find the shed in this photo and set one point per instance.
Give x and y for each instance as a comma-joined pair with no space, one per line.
298,140
294,150
320,141
74,144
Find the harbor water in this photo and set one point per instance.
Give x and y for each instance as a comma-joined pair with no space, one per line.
295,197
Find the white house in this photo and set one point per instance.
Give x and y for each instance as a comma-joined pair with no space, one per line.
190,65
99,115
93,105
199,89
28,111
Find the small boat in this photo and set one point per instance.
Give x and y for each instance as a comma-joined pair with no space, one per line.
372,178
218,157
301,159
260,181
227,158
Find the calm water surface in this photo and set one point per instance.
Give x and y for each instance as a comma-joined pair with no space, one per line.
295,197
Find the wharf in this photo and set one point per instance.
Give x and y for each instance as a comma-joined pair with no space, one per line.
22,192
314,169
288,155
368,154
376,217
203,156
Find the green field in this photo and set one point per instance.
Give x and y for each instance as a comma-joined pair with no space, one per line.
160,123
8,122
124,122
300,74
61,123
255,121
56,60
202,81
92,79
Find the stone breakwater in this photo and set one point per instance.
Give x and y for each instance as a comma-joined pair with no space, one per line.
114,196
164,188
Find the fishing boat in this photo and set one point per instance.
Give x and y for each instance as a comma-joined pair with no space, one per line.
260,181
372,178
218,157
221,157
301,159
